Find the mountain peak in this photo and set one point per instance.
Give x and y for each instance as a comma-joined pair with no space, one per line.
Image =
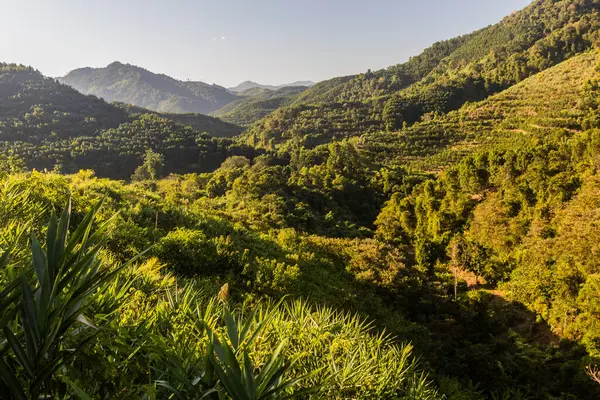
137,86
117,64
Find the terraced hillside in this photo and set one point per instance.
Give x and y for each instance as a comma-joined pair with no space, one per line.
441,79
538,106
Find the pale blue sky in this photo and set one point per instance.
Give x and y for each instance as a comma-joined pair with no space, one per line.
229,41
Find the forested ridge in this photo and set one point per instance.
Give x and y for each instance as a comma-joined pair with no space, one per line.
134,85
48,125
256,103
130,84
441,79
427,231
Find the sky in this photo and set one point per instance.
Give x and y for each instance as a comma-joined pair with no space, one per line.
230,41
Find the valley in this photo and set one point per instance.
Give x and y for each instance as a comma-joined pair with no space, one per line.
424,231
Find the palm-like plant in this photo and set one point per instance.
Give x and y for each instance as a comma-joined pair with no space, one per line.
227,369
42,314
238,376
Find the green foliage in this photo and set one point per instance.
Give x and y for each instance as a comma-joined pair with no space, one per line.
451,200
39,321
10,165
243,380
199,122
145,334
50,125
151,168
443,78
311,125
357,275
134,85
185,250
502,121
256,104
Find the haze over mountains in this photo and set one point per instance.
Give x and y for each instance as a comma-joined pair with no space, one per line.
140,87
137,86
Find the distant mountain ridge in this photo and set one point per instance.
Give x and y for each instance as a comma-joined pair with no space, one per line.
130,84
51,125
252,85
158,92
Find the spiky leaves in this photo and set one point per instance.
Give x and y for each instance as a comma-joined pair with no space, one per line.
43,319
239,377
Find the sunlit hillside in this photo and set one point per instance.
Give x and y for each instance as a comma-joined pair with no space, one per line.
427,231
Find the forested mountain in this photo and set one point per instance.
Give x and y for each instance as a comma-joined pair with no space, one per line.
441,79
255,103
429,231
515,117
125,83
134,85
252,85
200,122
50,125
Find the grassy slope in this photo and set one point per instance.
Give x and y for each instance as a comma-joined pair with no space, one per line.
545,101
442,78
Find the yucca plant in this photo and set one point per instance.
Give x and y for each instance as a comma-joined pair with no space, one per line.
181,374
227,370
43,312
237,373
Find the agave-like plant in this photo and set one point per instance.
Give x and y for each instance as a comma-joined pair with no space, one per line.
42,314
227,370
238,375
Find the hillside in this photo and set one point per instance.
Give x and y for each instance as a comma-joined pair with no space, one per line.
425,232
35,108
256,103
517,116
202,123
125,83
49,125
442,78
134,85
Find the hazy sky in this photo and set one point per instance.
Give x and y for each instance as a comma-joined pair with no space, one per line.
230,41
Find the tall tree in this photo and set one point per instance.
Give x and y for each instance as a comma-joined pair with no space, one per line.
151,168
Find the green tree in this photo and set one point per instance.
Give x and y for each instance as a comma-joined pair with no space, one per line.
10,165
151,168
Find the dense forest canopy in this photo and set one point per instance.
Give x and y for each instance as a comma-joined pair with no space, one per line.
443,78
256,103
427,231
51,126
126,83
